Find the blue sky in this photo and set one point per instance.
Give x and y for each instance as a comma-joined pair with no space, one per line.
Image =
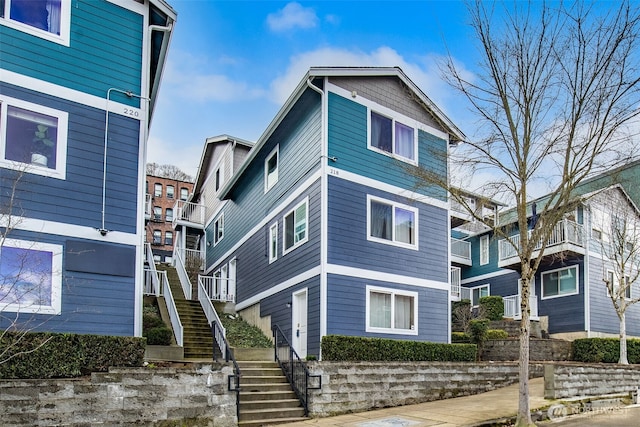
232,64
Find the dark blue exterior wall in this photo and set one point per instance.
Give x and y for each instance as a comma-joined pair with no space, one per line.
503,285
566,313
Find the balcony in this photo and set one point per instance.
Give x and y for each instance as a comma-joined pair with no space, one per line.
457,291
567,237
460,251
189,214
512,307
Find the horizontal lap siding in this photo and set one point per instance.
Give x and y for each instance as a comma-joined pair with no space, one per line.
476,269
566,313
348,142
504,285
105,51
298,136
91,303
347,235
603,315
346,302
77,199
276,307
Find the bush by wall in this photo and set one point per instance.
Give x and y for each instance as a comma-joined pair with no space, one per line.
50,355
160,335
344,348
492,307
605,350
460,337
496,334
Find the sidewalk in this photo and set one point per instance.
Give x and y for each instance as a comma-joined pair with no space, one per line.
460,411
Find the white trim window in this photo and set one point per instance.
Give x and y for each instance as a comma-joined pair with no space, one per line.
484,250
560,282
47,19
170,191
611,277
271,166
391,137
478,292
218,229
30,277
273,242
33,138
295,230
391,311
392,223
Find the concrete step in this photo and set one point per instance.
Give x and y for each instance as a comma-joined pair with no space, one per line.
256,405
263,388
260,372
263,379
270,422
257,364
267,415
249,396
254,354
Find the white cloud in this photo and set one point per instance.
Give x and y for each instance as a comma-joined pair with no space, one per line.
186,156
292,16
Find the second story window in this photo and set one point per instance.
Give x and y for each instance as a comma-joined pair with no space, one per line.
157,237
157,190
218,229
392,137
157,213
273,242
168,238
392,223
295,226
484,250
271,165
48,19
170,191
168,214
560,282
184,193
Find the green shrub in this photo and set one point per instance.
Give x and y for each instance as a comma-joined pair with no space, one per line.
492,307
53,355
160,335
496,334
607,350
460,337
478,330
344,348
150,321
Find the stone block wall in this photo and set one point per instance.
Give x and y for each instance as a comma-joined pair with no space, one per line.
539,350
122,396
360,386
563,381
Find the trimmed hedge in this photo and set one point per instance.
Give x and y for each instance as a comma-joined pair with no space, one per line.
160,335
460,337
362,349
607,350
492,307
66,355
496,334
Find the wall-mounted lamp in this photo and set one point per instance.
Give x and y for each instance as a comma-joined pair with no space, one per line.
208,243
288,304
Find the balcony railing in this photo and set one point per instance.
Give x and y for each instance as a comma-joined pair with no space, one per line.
147,206
461,249
218,288
455,282
565,231
512,306
188,212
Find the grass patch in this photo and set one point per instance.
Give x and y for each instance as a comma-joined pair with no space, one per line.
241,334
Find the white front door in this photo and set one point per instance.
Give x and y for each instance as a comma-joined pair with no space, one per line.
299,323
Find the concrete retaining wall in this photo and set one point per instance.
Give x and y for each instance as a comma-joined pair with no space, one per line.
356,387
539,350
141,396
563,381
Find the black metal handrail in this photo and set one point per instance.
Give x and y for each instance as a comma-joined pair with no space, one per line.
294,368
220,343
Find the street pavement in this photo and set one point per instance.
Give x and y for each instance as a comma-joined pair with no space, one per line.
613,417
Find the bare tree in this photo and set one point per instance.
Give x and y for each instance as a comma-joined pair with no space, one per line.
556,90
617,222
168,171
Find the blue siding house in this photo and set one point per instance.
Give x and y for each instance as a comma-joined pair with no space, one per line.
569,296
78,84
323,231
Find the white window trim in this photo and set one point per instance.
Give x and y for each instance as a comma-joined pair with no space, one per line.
577,291
273,255
484,256
61,147
284,228
393,293
395,117
276,152
56,278
65,24
486,285
615,285
218,226
393,242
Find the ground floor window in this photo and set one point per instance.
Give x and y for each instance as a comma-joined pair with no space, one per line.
477,293
391,311
560,282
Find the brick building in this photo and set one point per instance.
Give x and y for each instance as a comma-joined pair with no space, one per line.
162,195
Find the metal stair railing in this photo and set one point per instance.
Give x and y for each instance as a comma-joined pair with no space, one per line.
176,324
182,273
294,368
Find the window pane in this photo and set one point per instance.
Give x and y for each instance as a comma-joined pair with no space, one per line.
27,277
168,238
169,214
567,281
404,226
550,284
272,170
404,141
170,191
273,245
288,231
381,220
403,312
380,310
381,132
158,190
157,213
31,137
184,194
42,14
301,223
157,237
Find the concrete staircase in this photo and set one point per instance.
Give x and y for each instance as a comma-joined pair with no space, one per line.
266,397
198,343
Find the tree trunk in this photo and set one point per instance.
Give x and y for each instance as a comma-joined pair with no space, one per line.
524,411
623,340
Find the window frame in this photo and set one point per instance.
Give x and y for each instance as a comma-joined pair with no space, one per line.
292,211
157,186
393,292
65,24
186,191
157,217
559,295
274,153
55,306
170,194
484,250
612,276
62,118
485,285
394,205
168,218
273,242
166,238
395,118
154,233
218,229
